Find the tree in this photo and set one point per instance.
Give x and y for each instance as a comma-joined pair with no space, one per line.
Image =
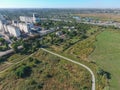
2,40
15,47
37,44
24,45
23,71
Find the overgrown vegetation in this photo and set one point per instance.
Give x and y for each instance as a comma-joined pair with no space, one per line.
107,55
83,48
23,71
78,43
3,45
46,72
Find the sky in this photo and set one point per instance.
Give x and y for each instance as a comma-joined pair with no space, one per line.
59,3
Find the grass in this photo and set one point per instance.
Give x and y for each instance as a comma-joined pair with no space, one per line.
102,16
107,55
80,52
16,58
11,61
83,48
4,66
50,73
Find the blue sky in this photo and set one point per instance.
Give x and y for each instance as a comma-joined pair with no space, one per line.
59,3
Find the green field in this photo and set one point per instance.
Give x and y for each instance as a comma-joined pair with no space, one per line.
107,55
44,72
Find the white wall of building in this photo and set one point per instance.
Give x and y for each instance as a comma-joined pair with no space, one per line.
14,31
15,23
26,19
25,27
1,25
36,18
5,28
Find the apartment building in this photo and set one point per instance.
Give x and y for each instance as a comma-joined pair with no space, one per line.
13,30
26,19
24,27
34,19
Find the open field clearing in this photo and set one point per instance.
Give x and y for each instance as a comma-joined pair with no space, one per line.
46,72
107,55
102,16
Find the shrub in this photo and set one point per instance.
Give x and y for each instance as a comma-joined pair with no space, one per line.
23,71
103,73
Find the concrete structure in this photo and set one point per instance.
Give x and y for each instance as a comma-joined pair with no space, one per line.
26,19
36,18
5,28
1,25
13,30
2,17
36,28
14,27
25,27
15,23
59,33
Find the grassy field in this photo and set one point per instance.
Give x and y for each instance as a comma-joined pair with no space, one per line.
83,48
53,72
16,58
102,16
80,52
48,72
107,55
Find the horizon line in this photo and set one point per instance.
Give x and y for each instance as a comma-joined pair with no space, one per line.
54,8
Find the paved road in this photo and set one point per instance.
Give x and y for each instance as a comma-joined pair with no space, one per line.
73,61
8,51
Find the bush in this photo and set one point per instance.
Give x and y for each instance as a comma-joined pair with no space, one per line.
103,73
23,71
33,62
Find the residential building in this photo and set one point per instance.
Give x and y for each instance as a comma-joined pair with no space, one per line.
15,23
59,33
1,25
25,27
36,18
36,28
26,19
13,30
5,28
